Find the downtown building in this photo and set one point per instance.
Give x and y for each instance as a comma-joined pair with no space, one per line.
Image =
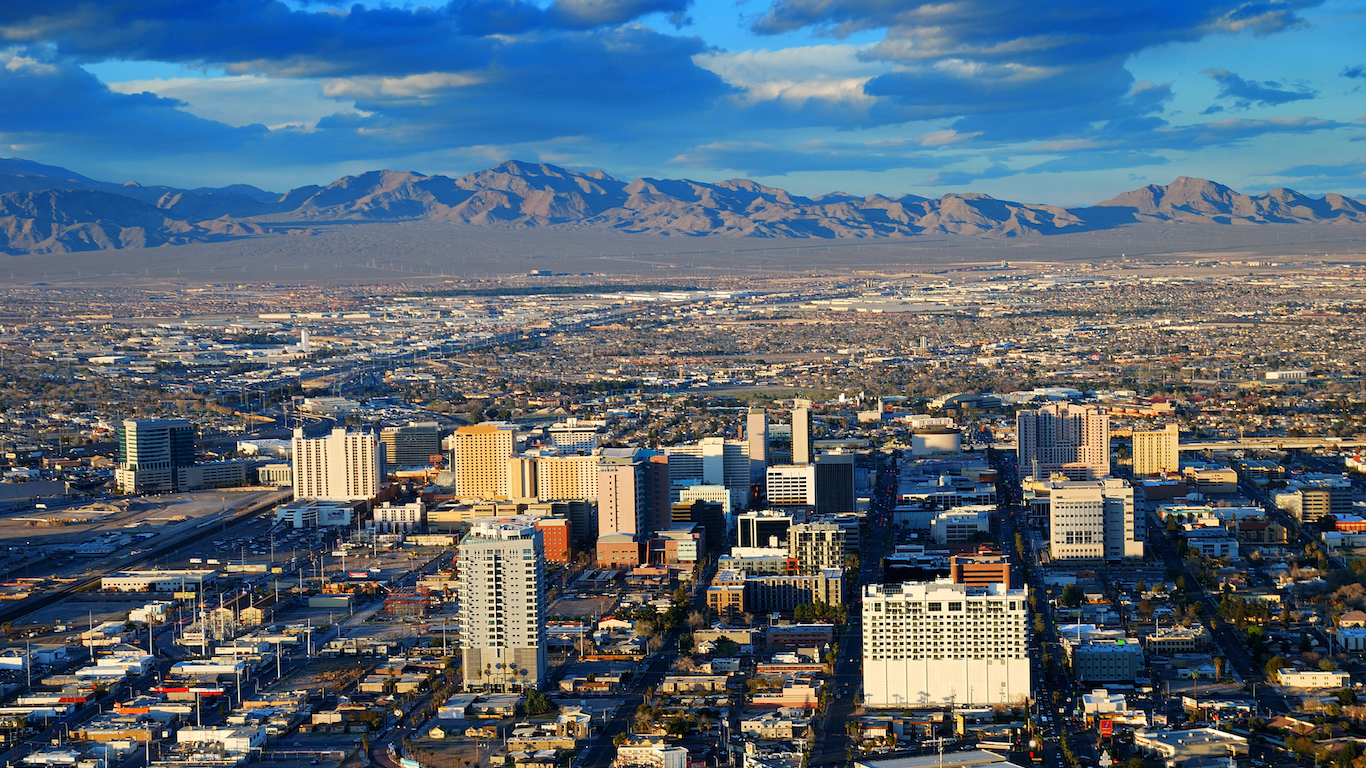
479,459
502,605
1092,520
343,466
1155,451
413,445
152,452
1073,440
931,644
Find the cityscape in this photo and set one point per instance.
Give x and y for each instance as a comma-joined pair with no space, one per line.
682,384
1055,515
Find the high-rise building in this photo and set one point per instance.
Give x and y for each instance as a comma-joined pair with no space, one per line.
802,448
816,546
764,529
708,515
152,454
522,478
343,466
621,499
1155,451
566,477
712,461
835,484
756,435
502,605
479,459
1059,437
792,485
1092,520
658,493
928,644
413,445
574,435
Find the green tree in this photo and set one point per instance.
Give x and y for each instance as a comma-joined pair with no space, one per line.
1072,595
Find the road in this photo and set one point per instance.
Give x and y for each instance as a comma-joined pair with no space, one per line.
832,741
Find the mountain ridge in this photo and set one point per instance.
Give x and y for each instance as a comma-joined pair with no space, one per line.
48,209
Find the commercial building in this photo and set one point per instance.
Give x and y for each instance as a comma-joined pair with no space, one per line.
621,498
961,525
1107,661
278,475
835,493
1155,451
151,453
650,753
978,569
1312,678
1066,438
792,485
1092,520
802,439
1177,747
479,459
756,435
712,461
816,546
556,538
343,466
502,604
413,445
317,513
157,581
928,644
764,528
400,518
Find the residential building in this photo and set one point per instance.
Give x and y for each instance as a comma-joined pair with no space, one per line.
557,538
928,644
1155,451
151,454
647,752
479,459
413,445
343,466
1066,438
816,546
1092,520
502,596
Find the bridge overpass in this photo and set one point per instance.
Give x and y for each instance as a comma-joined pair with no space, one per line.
1273,444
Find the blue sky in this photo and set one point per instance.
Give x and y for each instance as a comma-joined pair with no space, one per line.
1066,102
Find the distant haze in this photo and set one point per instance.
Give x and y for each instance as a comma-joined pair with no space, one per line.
518,217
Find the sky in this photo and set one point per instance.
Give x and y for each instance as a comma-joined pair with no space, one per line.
1067,102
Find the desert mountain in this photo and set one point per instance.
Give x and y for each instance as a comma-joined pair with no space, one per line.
49,209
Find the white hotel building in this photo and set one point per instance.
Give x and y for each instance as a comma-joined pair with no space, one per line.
928,644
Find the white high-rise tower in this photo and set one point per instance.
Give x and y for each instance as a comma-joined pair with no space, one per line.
502,605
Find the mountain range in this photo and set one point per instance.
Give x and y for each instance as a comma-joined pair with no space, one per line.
47,209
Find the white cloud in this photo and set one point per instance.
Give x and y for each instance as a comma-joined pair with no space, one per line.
411,86
15,61
239,100
831,73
